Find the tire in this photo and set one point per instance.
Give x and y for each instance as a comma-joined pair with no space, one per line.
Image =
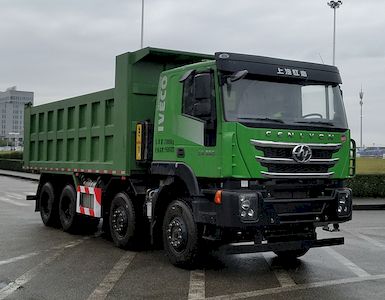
69,219
291,254
122,221
180,235
49,208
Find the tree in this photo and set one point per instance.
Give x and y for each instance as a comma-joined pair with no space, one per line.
3,142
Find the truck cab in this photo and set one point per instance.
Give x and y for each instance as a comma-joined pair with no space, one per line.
262,146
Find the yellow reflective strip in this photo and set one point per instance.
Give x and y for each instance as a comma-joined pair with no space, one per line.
138,153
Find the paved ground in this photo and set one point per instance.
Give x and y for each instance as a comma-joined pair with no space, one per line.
37,262
22,175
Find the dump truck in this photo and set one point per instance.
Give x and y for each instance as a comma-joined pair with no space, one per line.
233,152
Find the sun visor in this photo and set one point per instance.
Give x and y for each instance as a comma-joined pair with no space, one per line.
279,69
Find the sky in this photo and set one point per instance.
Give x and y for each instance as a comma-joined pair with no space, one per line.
64,48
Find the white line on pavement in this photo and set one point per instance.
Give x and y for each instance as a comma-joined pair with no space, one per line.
17,258
368,228
15,195
27,276
297,287
282,275
31,254
366,238
10,201
347,263
197,285
22,192
112,277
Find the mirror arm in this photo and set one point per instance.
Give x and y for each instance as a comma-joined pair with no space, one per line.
186,75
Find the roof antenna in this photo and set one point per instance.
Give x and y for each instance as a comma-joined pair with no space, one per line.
321,57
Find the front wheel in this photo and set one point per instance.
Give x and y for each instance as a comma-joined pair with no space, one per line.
180,235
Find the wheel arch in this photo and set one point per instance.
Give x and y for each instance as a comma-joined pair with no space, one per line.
114,186
179,171
170,189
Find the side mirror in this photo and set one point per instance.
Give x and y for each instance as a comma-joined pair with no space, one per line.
237,76
186,75
202,86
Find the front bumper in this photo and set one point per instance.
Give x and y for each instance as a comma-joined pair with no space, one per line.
280,246
319,211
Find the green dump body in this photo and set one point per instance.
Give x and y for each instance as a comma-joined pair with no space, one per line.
96,132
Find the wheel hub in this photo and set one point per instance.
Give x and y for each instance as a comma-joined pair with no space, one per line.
177,233
119,221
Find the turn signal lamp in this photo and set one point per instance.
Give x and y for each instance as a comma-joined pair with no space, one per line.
218,197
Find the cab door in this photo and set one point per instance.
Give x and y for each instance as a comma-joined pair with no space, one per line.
198,124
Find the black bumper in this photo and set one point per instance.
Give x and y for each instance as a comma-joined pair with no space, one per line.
280,246
271,211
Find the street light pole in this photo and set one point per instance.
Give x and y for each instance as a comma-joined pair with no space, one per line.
334,5
361,94
141,28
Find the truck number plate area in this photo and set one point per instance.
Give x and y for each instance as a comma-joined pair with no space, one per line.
89,201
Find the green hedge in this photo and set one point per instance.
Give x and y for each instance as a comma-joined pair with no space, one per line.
11,164
11,155
368,185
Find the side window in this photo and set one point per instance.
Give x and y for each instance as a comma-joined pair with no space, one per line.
318,100
313,100
199,102
188,96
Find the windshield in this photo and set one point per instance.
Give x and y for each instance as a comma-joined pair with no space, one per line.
253,101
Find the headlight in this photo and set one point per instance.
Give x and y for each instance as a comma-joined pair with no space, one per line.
245,204
248,205
250,213
344,202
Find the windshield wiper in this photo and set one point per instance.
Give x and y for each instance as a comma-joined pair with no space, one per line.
316,122
263,119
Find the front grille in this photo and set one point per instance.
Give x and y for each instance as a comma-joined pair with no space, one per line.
296,168
287,152
280,163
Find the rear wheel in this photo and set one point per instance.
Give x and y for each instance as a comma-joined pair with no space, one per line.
122,221
49,211
69,219
180,235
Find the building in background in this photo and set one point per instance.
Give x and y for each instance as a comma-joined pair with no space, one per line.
12,104
371,152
